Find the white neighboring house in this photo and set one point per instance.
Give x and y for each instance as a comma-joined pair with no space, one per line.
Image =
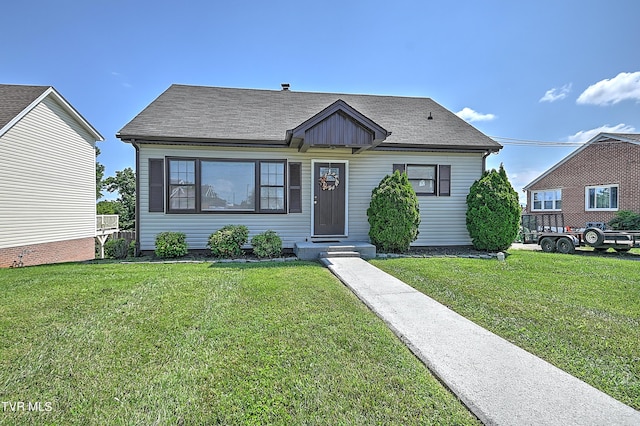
47,178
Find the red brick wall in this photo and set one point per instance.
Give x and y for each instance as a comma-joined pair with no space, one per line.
601,163
56,252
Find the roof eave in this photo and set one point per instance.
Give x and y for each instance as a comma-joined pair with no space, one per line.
170,140
437,148
69,109
65,105
598,137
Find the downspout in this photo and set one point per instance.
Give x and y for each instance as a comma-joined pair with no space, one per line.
137,213
484,161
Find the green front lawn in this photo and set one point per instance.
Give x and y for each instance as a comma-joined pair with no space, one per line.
580,313
204,344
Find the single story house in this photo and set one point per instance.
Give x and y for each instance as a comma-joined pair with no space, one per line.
47,178
300,163
592,183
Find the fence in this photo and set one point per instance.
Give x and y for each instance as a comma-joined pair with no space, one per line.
127,235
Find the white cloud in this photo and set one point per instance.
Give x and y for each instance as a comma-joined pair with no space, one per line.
121,78
622,87
585,135
470,115
556,94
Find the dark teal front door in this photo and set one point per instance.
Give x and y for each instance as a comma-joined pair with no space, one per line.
329,183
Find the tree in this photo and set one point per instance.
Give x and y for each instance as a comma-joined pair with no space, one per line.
106,207
493,211
394,215
99,176
124,183
625,220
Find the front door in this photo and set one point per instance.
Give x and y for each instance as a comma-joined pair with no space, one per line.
329,183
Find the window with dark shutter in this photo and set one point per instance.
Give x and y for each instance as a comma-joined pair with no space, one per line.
399,167
295,187
156,184
444,181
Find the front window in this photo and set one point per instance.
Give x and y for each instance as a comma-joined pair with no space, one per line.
182,185
227,185
547,200
601,197
422,178
271,186
205,185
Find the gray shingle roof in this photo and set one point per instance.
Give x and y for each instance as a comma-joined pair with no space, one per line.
198,113
15,98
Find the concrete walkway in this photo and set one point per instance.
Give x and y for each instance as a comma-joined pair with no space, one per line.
499,382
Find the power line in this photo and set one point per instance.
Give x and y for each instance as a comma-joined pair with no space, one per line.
525,142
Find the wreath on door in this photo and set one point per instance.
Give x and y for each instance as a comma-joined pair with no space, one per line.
327,184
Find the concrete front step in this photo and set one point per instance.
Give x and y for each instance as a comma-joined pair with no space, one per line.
312,251
326,254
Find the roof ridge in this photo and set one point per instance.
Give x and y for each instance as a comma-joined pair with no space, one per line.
300,91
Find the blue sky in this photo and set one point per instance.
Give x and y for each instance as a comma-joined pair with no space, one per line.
552,71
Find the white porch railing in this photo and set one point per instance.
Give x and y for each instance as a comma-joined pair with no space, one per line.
106,224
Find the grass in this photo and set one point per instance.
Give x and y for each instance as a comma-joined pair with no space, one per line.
205,344
579,313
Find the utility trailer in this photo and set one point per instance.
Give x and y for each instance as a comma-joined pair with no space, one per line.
549,232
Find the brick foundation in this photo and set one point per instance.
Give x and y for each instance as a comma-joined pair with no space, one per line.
56,252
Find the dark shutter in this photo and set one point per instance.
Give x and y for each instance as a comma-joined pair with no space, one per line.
401,167
156,184
295,187
444,180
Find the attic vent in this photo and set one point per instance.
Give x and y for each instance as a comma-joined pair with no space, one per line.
285,86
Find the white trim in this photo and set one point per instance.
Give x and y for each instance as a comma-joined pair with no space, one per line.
346,195
65,105
609,209
554,190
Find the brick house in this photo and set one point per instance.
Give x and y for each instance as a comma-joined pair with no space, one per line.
592,183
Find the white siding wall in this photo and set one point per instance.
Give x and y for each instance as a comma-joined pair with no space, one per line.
443,218
47,179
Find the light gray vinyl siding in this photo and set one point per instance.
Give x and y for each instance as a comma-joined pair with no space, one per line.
443,218
47,179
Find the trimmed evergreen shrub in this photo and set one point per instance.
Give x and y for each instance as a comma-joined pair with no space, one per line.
493,211
267,244
132,248
171,244
394,214
625,220
228,240
116,249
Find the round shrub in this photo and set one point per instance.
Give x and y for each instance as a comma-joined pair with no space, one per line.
493,212
625,220
116,249
267,244
228,241
171,244
394,214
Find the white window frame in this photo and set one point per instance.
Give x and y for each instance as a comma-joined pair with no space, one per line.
596,209
555,200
